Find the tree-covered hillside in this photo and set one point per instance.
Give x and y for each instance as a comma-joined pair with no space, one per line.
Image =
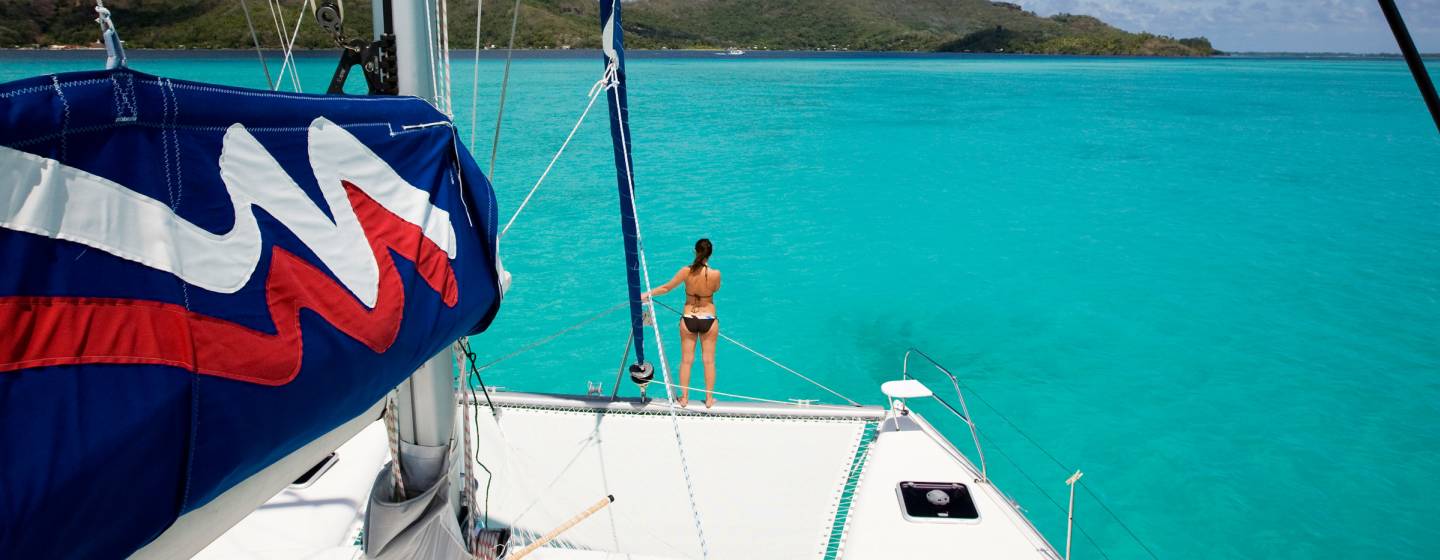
924,25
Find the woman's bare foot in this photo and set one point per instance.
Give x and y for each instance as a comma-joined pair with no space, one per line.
684,401
709,401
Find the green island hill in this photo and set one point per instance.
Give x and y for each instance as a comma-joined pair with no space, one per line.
980,26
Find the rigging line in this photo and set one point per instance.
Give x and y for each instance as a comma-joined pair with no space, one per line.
469,355
392,432
613,85
735,396
472,536
504,86
1042,491
277,16
290,47
464,344
594,94
586,443
256,38
445,55
470,358
275,19
1107,509
467,490
1063,467
768,358
552,337
519,462
624,360
1060,464
437,97
277,11
475,74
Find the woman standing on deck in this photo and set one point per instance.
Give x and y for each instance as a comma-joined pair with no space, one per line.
699,323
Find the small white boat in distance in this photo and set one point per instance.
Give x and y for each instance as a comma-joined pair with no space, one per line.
732,51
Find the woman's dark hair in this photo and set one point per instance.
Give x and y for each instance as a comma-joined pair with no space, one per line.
703,248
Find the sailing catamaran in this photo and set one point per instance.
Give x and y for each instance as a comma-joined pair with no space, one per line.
234,324
266,368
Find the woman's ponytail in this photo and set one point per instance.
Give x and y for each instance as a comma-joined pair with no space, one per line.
703,248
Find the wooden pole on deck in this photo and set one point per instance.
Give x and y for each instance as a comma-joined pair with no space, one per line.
564,527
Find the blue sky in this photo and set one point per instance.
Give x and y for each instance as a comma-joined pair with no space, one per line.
1265,25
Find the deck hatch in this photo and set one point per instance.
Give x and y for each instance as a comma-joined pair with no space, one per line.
936,501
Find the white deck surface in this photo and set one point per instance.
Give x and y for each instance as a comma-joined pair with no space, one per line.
765,487
767,479
570,554
320,521
878,529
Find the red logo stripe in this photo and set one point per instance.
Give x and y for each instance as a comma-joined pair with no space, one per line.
51,331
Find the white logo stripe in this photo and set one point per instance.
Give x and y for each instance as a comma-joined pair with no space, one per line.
44,197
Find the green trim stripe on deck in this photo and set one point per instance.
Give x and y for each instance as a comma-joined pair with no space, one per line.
847,494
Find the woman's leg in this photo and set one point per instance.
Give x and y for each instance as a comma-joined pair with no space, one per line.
709,338
687,358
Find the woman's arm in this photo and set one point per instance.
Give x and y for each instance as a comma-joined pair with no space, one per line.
679,277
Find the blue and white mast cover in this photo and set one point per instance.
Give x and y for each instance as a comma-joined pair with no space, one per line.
199,280
612,42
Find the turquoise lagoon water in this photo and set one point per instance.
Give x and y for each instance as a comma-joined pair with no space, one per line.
1213,285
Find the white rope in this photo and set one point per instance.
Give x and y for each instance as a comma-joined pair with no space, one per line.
612,70
114,47
594,94
290,46
430,59
444,6
277,16
511,456
475,75
769,359
538,497
392,431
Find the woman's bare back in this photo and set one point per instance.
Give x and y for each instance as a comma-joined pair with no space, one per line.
700,288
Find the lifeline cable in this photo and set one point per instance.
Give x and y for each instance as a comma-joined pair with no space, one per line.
768,359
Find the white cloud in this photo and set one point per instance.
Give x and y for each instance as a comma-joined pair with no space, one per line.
1273,25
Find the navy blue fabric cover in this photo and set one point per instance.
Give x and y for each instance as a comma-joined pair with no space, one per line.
624,169
96,460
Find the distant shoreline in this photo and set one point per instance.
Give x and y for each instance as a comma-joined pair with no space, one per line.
491,54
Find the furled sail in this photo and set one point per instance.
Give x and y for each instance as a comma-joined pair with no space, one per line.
613,45
199,280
